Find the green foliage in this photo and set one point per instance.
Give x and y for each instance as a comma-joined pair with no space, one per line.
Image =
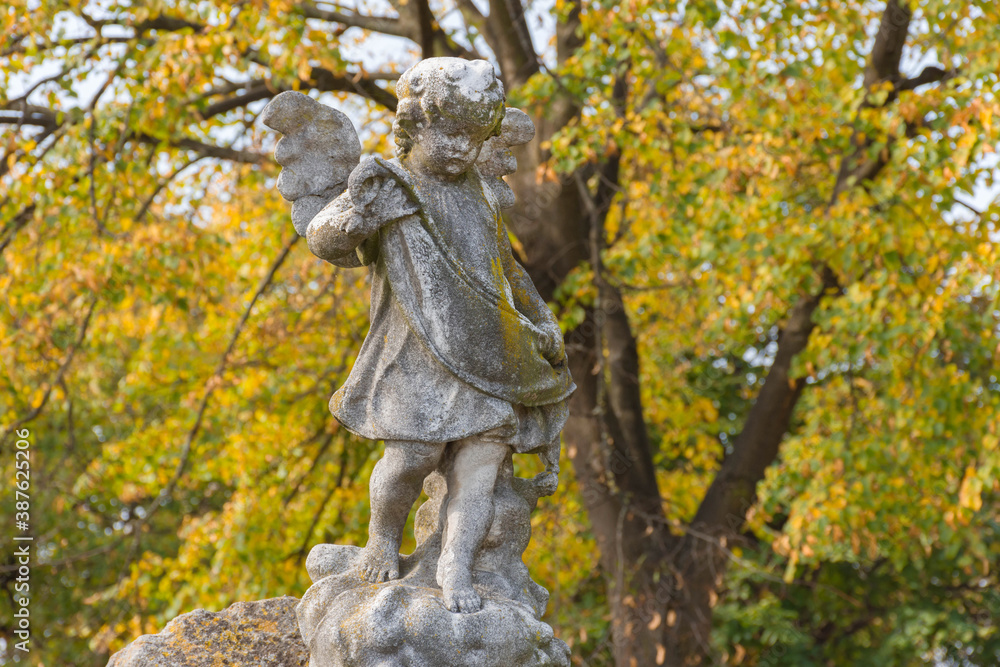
874,537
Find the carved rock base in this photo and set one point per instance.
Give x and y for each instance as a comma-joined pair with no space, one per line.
400,625
349,622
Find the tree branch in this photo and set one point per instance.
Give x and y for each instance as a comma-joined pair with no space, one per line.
883,63
254,91
931,74
323,79
60,374
167,23
215,380
161,22
16,224
883,66
29,114
144,209
206,150
507,33
50,120
414,23
471,14
756,446
383,24
426,33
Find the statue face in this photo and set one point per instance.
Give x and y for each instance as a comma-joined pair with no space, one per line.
447,147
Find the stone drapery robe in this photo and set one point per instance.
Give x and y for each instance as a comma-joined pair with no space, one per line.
457,329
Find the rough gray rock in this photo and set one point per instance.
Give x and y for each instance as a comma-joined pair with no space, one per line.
248,634
398,625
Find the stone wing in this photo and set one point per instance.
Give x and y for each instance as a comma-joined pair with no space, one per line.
496,159
317,152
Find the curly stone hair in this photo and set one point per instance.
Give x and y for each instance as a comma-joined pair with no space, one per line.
467,90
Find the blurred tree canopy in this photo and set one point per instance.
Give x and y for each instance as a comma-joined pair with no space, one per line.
762,223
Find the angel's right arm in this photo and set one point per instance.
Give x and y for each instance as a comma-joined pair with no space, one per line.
333,237
340,227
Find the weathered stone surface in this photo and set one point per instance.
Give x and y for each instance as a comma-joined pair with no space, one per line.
248,634
397,625
496,160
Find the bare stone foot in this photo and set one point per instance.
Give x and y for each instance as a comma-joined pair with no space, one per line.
379,561
459,595
462,600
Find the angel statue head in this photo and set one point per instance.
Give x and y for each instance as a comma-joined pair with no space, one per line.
447,108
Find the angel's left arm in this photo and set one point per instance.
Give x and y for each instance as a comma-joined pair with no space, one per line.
527,300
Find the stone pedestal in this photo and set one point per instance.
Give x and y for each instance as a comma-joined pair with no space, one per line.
346,621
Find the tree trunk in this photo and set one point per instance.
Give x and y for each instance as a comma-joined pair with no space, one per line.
661,587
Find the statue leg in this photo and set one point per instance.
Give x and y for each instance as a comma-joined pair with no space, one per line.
394,487
469,515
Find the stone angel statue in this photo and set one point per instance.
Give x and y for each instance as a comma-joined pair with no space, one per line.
463,366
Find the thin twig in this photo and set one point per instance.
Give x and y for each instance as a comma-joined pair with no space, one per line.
216,379
210,385
162,184
301,553
60,374
91,134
